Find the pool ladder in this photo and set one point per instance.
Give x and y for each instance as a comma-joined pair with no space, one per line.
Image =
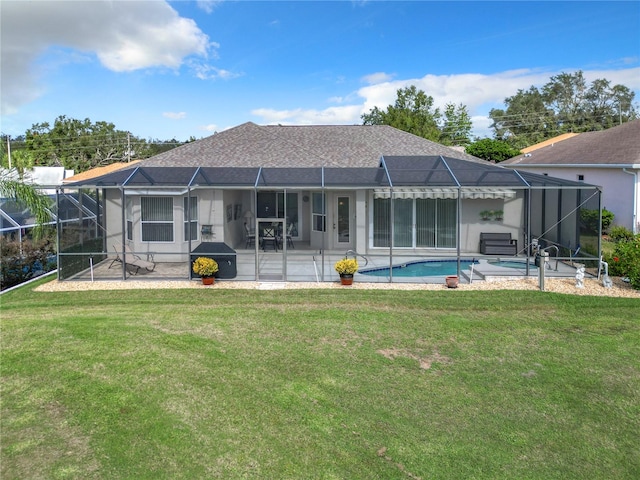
354,254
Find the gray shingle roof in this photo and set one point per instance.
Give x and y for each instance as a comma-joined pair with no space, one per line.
251,145
614,146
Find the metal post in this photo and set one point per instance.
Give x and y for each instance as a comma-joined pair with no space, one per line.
543,258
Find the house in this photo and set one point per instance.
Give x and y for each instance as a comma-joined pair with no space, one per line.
608,158
370,191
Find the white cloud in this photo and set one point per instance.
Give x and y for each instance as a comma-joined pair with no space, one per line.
175,115
329,116
208,5
212,127
124,36
209,72
378,77
479,92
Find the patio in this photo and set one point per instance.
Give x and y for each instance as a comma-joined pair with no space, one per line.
311,266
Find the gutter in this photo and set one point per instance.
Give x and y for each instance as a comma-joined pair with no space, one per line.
635,200
568,165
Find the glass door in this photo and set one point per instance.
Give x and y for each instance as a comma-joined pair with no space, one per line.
343,226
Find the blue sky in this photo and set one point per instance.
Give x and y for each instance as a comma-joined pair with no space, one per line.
178,69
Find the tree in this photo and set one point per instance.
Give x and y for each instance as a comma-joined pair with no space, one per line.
526,120
412,112
21,160
456,125
567,103
18,190
492,150
81,144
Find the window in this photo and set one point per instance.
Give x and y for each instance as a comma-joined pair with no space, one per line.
418,223
581,178
129,215
191,219
271,205
318,213
156,215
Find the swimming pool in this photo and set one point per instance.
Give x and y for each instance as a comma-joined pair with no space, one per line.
423,268
511,264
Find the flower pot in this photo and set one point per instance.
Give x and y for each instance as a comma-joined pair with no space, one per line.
208,280
452,281
346,279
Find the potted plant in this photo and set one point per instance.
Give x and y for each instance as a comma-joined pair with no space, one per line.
206,268
346,268
498,214
486,214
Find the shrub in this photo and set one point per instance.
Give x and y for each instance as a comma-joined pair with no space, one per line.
589,219
618,233
346,266
36,258
205,267
625,260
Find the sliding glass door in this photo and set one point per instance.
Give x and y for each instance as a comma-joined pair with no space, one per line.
417,223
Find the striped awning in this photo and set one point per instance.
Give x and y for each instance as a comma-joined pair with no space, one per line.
466,192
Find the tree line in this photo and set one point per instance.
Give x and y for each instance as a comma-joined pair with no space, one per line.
79,145
567,103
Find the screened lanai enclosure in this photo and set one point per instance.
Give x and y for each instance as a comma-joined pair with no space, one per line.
411,219
17,221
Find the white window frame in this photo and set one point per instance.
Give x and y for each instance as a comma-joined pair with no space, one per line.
193,220
320,216
144,222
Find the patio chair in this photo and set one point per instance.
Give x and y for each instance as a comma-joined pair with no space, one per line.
269,238
133,262
290,236
250,237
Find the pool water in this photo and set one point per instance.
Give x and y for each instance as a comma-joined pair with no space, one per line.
511,264
425,268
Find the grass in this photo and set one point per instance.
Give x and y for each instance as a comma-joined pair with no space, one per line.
324,384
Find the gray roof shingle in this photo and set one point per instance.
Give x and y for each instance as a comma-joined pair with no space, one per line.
615,146
251,145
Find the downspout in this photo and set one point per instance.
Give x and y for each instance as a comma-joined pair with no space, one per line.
634,217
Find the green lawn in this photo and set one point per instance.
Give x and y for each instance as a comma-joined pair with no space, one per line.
327,384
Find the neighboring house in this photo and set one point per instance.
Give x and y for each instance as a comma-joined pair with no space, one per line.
608,158
374,190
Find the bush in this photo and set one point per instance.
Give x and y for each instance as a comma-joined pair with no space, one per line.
589,220
625,260
37,257
618,233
